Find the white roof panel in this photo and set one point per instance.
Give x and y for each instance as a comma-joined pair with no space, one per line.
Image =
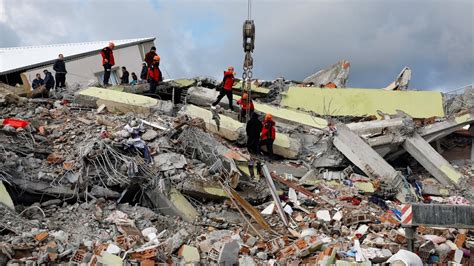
17,58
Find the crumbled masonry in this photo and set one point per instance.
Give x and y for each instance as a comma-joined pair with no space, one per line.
119,176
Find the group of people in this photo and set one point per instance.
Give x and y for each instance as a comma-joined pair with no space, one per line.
44,86
150,73
258,133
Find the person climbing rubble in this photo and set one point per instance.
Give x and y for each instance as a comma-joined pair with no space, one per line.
108,61
268,134
246,107
154,73
227,84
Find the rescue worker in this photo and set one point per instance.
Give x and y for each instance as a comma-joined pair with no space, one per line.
124,78
227,84
150,56
38,81
253,129
154,73
60,68
268,134
48,82
108,61
246,107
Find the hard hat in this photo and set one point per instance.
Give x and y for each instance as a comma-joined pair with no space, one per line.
245,96
268,116
156,58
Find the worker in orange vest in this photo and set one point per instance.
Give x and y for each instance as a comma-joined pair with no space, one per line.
108,61
227,83
268,134
154,73
246,107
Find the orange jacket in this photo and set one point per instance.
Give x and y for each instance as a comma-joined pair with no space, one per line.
228,80
268,130
245,105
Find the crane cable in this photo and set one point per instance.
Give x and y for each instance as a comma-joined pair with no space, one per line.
249,45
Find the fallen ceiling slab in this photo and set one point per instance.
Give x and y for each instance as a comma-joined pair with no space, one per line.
363,102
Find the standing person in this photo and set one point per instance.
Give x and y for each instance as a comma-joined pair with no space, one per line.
124,77
228,83
38,81
144,73
60,68
107,61
246,107
48,82
268,134
150,56
154,73
134,79
253,129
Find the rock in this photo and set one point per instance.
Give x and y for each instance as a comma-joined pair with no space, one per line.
169,161
229,254
173,243
149,135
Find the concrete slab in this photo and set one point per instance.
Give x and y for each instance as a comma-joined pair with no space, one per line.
173,204
362,102
120,102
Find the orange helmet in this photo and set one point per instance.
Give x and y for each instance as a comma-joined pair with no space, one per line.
245,96
268,116
156,58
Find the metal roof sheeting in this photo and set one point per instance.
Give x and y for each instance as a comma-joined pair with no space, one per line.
18,58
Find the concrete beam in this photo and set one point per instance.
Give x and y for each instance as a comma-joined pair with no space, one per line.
377,126
431,160
173,203
442,129
233,130
368,160
121,102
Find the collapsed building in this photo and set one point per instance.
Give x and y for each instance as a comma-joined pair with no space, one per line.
119,176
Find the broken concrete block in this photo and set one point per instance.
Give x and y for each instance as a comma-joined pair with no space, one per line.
149,135
173,204
5,198
229,254
336,74
109,259
324,215
169,161
202,189
174,242
189,253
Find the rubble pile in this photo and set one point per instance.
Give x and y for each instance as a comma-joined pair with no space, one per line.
103,183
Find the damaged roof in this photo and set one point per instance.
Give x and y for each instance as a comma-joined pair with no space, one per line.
17,58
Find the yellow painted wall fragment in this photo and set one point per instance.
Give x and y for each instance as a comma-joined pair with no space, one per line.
360,102
182,205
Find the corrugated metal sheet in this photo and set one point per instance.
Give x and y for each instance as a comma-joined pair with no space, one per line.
455,216
18,58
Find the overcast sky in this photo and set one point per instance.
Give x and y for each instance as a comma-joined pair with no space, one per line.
294,38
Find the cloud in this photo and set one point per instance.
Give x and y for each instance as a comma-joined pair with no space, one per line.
294,38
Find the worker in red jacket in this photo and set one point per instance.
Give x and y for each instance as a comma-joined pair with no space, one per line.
246,107
227,83
107,61
154,73
268,134
150,55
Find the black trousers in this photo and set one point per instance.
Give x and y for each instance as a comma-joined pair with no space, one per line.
107,70
153,85
269,144
60,80
223,93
